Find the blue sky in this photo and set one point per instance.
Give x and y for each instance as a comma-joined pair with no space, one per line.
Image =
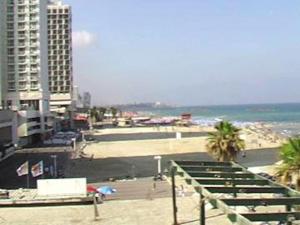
187,52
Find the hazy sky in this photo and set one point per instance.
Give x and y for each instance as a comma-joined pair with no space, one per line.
187,52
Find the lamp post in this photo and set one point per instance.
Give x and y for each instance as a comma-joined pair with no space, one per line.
74,143
158,158
54,157
82,135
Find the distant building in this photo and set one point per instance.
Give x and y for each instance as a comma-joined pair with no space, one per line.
60,59
86,100
77,99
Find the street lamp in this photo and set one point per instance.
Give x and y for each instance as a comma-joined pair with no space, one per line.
82,135
158,158
54,157
74,143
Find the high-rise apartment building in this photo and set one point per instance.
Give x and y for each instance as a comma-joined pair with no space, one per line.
3,50
60,58
6,116
24,65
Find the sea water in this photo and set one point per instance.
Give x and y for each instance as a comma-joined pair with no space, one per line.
284,118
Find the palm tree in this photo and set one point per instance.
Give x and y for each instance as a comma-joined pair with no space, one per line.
225,143
290,156
94,114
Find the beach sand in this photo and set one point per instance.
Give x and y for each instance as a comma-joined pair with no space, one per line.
253,140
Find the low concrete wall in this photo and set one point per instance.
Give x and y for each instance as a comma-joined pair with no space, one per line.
59,187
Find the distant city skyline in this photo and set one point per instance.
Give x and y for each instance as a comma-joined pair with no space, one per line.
187,52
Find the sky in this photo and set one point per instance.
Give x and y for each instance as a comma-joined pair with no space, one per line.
187,52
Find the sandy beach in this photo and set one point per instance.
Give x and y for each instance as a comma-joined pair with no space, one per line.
122,153
104,149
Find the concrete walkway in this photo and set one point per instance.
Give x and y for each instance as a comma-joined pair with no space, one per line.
129,212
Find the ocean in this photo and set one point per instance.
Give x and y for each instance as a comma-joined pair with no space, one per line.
284,118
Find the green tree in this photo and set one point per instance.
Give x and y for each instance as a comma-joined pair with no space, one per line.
225,143
94,114
290,156
113,111
102,112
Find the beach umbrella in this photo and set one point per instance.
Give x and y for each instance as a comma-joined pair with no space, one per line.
106,190
91,189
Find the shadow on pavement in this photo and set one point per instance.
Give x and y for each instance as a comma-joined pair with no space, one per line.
97,170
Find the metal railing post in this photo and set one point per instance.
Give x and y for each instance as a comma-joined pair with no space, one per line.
202,209
173,172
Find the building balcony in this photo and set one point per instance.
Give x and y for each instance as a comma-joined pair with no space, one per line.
21,19
23,53
34,79
22,78
11,80
34,74
11,70
33,28
22,69
22,62
10,11
11,86
34,62
21,36
10,28
33,37
33,19
34,88
22,44
21,2
22,27
22,88
21,12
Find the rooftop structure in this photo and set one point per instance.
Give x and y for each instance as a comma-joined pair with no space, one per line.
227,184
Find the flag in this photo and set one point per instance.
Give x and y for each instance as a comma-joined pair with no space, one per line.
37,169
23,169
